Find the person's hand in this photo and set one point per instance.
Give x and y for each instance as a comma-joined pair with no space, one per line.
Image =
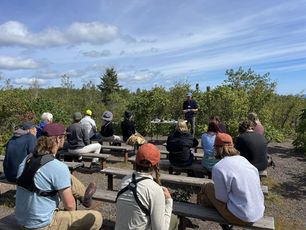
166,193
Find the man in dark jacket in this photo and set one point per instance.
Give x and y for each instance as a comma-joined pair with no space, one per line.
18,147
190,107
127,125
179,145
252,146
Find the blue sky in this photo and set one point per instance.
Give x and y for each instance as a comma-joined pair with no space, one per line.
152,42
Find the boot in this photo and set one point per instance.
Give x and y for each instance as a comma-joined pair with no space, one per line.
90,191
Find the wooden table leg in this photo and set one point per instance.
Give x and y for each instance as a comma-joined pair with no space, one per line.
110,182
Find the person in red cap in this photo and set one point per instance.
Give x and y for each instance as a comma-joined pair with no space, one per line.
142,203
42,181
236,192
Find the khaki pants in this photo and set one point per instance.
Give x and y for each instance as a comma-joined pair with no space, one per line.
207,198
75,220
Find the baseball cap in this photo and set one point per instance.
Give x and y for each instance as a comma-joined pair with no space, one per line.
223,139
88,112
77,116
107,116
54,129
148,152
189,94
27,125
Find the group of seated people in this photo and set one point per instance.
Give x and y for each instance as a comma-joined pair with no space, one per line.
142,203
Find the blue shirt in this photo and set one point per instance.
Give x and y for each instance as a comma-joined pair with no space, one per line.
17,149
34,211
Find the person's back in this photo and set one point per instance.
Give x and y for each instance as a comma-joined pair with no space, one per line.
33,210
107,129
127,126
253,146
89,124
18,147
237,183
77,136
209,160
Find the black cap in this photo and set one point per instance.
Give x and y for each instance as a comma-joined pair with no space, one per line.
28,125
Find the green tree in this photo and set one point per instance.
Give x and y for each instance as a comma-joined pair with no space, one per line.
109,84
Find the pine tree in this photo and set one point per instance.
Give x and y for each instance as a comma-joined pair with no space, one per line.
109,84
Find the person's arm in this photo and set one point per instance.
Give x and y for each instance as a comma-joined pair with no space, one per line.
67,199
85,136
161,209
195,109
221,186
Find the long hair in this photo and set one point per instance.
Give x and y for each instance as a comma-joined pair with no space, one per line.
44,145
213,127
149,169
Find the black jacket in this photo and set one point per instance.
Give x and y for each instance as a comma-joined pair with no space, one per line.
178,145
128,128
107,130
253,146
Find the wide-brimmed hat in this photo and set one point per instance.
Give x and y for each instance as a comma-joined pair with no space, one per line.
107,116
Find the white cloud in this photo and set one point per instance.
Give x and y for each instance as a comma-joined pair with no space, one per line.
11,63
14,33
30,81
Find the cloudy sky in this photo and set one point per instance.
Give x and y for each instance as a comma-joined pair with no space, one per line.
152,42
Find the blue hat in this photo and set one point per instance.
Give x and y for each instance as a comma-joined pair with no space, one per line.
189,94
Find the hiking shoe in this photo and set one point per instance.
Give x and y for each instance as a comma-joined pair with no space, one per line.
90,190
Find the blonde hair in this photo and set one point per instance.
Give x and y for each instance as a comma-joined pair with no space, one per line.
226,151
181,126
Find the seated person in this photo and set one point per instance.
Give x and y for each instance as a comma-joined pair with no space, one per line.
235,192
43,181
127,125
208,142
252,146
217,120
78,140
256,124
149,206
107,130
179,145
17,148
46,118
90,125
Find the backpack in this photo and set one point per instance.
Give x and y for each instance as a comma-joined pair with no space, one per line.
32,165
133,187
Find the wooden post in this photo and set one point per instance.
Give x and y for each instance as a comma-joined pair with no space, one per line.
110,182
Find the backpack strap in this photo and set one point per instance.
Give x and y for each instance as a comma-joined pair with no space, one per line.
133,187
32,165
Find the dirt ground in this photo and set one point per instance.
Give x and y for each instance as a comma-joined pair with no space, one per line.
286,200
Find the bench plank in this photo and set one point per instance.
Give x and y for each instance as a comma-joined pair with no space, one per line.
173,179
191,210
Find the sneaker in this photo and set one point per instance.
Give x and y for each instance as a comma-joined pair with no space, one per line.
90,190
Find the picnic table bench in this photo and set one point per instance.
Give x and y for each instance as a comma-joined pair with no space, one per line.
102,157
196,155
184,210
124,149
172,179
166,165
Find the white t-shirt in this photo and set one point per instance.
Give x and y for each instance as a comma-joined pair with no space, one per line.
237,184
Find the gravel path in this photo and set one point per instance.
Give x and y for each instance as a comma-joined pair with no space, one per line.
286,200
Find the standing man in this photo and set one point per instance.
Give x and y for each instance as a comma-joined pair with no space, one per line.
43,181
190,107
17,148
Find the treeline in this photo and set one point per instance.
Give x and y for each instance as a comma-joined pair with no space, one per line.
242,92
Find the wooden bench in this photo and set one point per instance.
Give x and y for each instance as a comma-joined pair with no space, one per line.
196,155
184,210
102,157
166,165
124,149
171,179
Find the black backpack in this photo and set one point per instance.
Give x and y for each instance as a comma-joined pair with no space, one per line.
133,187
33,163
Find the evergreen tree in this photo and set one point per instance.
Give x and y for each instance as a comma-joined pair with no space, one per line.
109,84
